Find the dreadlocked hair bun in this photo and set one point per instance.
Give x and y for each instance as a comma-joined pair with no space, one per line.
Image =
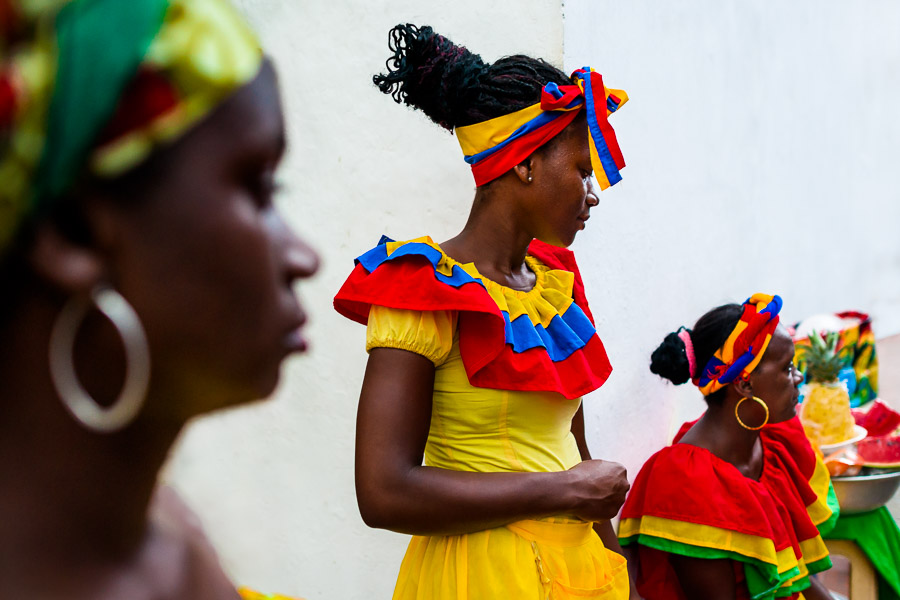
670,360
453,86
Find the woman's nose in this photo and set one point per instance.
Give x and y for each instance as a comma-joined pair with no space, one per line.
301,260
592,198
298,258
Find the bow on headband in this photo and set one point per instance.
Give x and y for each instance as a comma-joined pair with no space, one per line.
745,346
495,146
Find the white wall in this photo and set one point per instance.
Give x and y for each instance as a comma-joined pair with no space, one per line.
760,147
762,142
273,483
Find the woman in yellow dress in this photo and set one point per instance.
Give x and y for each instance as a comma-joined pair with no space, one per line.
138,144
481,347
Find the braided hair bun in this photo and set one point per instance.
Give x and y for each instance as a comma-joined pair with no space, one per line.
670,361
453,86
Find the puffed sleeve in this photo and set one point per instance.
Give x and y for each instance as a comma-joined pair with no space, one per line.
428,333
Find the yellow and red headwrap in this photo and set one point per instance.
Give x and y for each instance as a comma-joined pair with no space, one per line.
745,346
97,85
495,146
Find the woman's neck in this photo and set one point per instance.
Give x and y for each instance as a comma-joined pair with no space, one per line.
493,240
69,496
720,433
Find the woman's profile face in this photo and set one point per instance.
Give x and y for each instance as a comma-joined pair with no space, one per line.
208,262
775,380
564,186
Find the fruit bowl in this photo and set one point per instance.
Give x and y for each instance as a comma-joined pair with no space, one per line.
863,493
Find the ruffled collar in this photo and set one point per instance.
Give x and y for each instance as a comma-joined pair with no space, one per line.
541,339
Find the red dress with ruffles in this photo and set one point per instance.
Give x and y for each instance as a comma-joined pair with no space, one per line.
687,501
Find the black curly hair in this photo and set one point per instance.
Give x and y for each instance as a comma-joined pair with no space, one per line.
669,360
453,86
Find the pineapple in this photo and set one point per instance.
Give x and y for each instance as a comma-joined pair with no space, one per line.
825,412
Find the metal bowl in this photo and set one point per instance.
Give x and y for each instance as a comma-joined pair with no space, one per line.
863,493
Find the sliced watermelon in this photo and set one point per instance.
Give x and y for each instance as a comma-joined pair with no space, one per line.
881,451
880,419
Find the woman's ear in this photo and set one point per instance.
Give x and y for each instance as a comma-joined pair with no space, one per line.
78,267
64,265
742,387
525,170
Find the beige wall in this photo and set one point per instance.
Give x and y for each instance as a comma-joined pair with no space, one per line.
274,482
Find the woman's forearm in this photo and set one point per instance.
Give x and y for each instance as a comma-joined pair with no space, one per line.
433,501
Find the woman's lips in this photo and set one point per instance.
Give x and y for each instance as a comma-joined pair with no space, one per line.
294,341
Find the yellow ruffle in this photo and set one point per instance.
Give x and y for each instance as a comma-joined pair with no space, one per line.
551,295
750,546
707,536
819,511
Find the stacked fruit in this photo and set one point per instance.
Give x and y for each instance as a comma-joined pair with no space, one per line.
825,412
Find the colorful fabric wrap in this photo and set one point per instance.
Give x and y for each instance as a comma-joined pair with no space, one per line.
503,346
744,348
687,501
495,146
97,85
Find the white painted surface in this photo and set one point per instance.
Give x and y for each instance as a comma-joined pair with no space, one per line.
273,483
748,130
762,142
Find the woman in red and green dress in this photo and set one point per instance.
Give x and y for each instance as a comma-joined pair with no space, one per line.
736,506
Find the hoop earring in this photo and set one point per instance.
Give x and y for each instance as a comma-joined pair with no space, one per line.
738,417
74,397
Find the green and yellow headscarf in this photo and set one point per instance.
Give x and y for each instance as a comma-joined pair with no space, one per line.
97,85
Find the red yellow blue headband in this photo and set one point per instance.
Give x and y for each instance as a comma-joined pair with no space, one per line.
495,146
744,348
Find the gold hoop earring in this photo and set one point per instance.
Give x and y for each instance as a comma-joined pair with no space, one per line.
738,417
74,397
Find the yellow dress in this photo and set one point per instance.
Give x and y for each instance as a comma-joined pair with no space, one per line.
248,594
494,430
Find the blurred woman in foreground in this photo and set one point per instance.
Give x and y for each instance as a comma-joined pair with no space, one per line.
146,275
